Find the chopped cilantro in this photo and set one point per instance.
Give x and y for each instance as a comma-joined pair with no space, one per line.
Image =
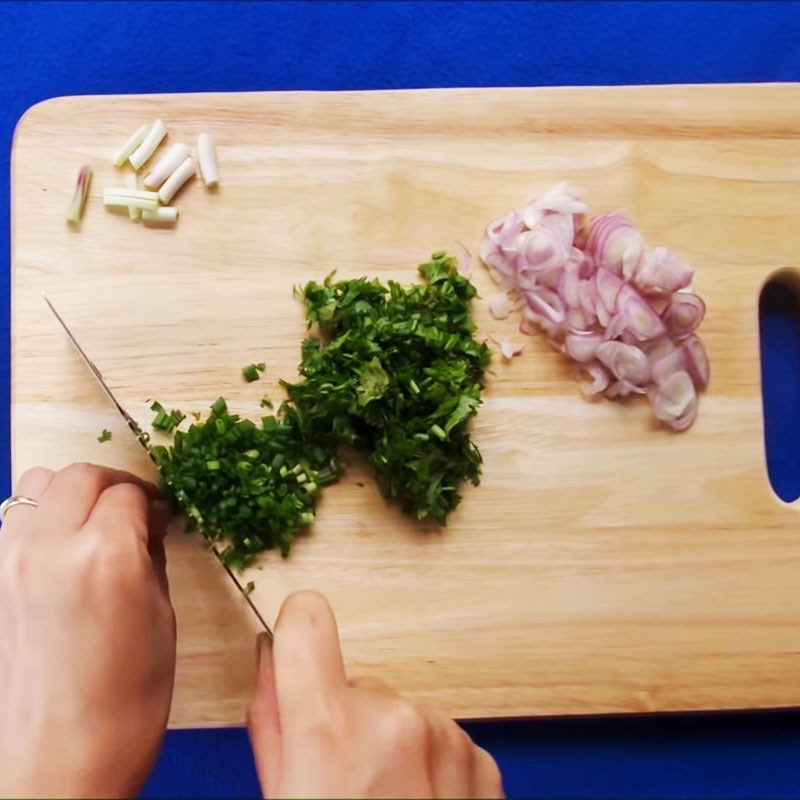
105,436
397,374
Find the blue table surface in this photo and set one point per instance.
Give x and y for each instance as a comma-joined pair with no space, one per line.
49,49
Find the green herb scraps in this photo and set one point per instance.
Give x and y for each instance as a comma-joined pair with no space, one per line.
251,486
397,374
105,436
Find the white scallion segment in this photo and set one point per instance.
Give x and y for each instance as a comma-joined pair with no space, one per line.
143,194
207,156
129,197
165,166
176,180
122,154
79,195
164,215
130,180
142,153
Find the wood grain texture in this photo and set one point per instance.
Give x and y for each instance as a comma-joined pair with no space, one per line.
604,565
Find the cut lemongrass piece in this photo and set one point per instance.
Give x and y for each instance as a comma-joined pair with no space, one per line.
120,191
165,166
133,213
164,215
122,154
82,182
176,180
129,200
142,153
207,156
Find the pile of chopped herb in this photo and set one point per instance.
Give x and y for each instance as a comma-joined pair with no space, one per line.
252,486
397,375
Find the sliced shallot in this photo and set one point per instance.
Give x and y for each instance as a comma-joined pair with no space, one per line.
684,313
619,309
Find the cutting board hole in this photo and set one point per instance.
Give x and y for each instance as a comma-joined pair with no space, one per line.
779,326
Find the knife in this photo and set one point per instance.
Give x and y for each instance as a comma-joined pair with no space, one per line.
144,440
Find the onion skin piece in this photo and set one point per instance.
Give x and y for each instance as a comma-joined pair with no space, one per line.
508,349
500,305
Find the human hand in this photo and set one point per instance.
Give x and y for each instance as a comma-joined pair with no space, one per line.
316,734
87,634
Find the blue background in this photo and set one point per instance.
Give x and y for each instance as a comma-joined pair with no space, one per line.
49,49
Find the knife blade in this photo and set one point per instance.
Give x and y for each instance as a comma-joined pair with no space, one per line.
143,440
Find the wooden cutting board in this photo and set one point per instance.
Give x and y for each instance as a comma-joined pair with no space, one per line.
604,565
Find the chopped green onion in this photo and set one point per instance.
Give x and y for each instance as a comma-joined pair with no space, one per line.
249,587
219,406
251,372
166,421
238,480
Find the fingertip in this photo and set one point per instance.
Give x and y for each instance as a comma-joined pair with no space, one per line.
307,654
306,608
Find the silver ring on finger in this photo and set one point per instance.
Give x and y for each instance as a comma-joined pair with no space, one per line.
15,500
